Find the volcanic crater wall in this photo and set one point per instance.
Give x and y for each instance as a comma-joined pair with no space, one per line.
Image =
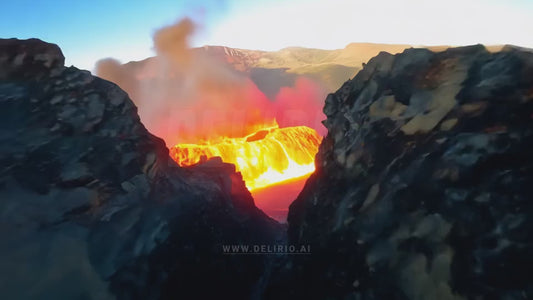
423,183
91,206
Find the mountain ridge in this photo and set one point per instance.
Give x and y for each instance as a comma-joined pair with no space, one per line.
330,68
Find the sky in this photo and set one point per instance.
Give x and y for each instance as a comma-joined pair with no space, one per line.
88,31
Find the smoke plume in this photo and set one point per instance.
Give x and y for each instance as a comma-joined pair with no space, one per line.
187,96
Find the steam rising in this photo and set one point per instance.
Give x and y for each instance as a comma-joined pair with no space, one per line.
185,96
171,42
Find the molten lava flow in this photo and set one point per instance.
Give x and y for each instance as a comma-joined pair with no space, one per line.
266,157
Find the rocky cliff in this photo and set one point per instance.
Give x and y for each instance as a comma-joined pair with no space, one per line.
423,183
91,206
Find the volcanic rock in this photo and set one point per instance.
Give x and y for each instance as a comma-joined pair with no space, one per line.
422,187
93,208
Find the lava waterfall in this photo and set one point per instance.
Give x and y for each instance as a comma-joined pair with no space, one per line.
267,157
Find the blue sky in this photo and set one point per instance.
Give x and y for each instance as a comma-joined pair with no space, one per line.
90,30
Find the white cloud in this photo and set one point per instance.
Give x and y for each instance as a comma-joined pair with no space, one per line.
335,23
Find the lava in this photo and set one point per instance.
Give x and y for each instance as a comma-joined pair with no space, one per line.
269,156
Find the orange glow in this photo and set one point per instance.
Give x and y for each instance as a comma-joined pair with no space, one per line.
269,156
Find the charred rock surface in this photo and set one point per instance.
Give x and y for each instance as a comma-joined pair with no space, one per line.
91,206
423,183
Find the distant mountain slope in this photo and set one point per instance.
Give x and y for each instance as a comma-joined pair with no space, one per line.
273,70
352,55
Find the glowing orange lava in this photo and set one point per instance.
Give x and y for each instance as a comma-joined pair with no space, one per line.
269,156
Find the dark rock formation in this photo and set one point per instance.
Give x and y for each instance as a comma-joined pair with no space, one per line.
91,206
421,190
423,183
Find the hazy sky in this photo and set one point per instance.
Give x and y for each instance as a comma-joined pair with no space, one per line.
90,30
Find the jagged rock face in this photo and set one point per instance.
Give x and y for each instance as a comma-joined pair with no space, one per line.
32,58
91,206
423,183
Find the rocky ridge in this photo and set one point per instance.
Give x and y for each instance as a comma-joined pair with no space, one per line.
422,188
93,208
